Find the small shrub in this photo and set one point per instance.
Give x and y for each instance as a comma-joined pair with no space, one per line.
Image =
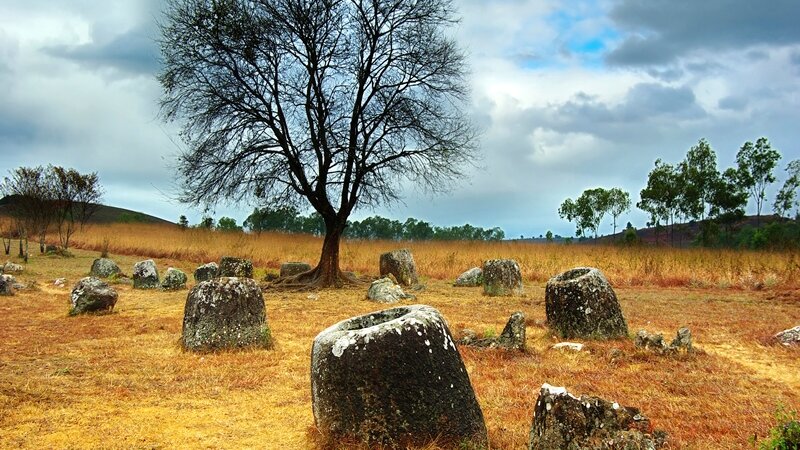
785,435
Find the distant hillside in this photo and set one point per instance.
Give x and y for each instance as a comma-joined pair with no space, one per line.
105,214
686,233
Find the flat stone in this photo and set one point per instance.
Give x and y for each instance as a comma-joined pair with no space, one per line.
573,346
789,337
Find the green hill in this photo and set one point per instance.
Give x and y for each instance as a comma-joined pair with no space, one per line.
104,214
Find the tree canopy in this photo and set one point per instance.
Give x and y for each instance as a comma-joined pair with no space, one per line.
332,103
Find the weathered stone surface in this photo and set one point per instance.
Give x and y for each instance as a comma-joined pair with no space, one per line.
104,268
7,284
384,290
60,282
294,268
92,295
502,277
572,346
206,272
512,337
563,421
174,280
400,263
581,303
225,313
235,267
471,278
655,342
10,267
393,378
789,337
145,275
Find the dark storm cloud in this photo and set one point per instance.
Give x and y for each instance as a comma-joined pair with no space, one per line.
661,31
133,52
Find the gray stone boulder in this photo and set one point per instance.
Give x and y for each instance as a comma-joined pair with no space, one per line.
174,280
7,283
235,267
789,337
393,378
563,421
512,337
104,268
502,277
92,295
471,278
385,291
400,263
225,313
654,342
10,267
206,272
145,275
294,268
581,303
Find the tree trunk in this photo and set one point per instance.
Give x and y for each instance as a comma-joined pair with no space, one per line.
7,245
327,272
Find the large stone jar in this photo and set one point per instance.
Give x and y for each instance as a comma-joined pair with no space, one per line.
225,313
393,378
581,303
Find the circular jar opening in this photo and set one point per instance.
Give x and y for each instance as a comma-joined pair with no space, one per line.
573,274
373,319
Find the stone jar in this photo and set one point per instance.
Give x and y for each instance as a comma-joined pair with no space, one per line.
393,378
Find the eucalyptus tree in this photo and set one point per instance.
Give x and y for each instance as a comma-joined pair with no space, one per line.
661,197
756,165
586,211
332,103
786,199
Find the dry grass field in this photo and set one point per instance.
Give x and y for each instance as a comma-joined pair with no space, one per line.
122,381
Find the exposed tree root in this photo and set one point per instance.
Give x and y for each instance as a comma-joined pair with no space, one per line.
313,280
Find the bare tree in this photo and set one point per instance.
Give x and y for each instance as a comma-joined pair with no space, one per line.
29,203
75,199
333,102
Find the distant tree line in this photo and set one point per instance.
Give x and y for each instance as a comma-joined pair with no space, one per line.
45,199
288,219
696,190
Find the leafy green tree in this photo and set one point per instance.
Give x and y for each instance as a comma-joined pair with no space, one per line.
227,224
586,211
183,222
728,199
619,202
549,236
206,222
756,165
327,103
660,198
417,230
698,175
786,199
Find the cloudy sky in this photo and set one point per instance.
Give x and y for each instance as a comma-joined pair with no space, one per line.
570,95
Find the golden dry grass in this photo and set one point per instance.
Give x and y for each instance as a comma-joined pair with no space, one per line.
122,381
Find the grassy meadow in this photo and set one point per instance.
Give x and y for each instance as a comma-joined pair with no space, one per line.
122,380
